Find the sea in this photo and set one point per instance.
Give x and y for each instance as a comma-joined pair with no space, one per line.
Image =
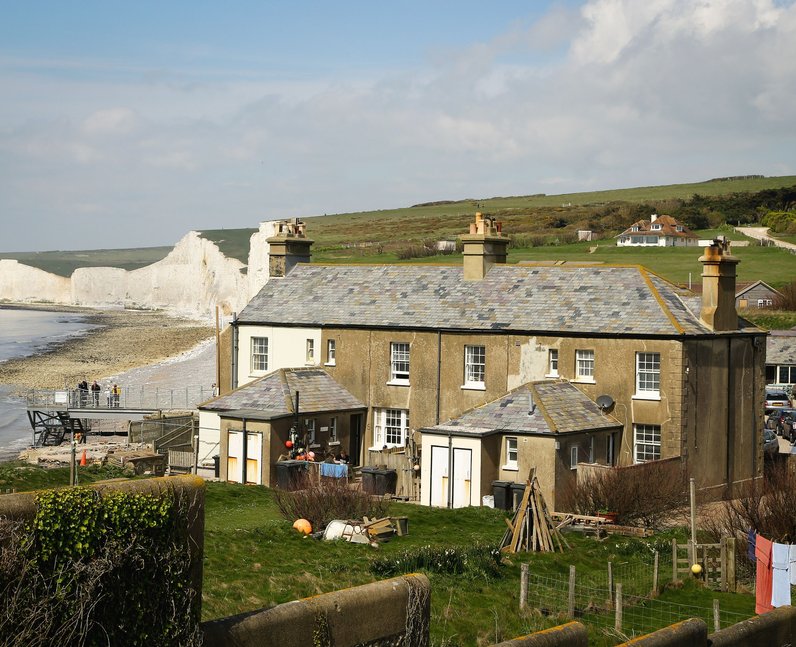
24,333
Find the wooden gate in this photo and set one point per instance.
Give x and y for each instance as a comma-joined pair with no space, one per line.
717,562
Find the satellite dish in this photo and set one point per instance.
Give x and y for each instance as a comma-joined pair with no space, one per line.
605,402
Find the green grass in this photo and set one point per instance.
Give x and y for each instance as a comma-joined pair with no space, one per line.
770,320
23,477
63,263
254,559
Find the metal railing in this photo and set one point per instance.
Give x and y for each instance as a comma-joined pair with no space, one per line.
144,397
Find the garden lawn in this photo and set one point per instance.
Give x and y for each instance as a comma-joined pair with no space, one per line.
254,559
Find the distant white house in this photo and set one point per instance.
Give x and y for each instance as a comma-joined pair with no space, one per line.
658,231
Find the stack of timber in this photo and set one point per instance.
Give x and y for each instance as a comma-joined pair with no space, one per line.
532,528
597,525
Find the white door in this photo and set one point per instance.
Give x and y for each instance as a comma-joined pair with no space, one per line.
234,456
439,477
440,481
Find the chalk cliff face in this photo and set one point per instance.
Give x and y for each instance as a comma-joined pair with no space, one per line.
190,281
22,283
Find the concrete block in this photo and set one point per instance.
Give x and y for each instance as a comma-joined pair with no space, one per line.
572,634
394,611
776,628
688,633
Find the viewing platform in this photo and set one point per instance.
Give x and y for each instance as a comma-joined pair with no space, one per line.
55,414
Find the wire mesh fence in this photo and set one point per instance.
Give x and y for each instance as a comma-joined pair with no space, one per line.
612,604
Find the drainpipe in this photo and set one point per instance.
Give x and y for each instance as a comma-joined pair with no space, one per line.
450,470
730,415
234,350
439,370
245,452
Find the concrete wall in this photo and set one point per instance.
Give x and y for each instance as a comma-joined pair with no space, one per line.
776,628
386,613
572,634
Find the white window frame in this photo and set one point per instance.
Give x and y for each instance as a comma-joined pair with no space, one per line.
573,457
331,352
764,303
646,443
310,351
386,435
512,453
648,376
552,362
333,429
309,424
656,226
474,367
584,365
399,362
258,360
591,449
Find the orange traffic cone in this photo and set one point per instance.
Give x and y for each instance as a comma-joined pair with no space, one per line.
83,459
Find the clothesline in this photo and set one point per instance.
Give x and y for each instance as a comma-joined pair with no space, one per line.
775,572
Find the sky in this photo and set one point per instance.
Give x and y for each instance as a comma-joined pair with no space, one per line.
128,124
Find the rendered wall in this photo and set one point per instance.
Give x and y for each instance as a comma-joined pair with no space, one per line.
382,614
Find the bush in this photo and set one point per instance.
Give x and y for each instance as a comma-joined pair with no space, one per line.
767,506
647,494
320,502
97,570
470,561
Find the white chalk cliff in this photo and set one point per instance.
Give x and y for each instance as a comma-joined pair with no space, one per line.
191,281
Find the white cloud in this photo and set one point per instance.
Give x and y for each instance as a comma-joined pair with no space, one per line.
615,93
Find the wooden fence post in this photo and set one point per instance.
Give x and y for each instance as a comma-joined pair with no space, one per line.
716,616
674,560
618,608
571,599
655,576
523,587
732,584
610,583
723,564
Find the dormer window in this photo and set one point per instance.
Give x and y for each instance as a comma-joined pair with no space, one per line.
634,228
679,228
656,226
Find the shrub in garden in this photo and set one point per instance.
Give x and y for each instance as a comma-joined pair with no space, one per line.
95,569
471,561
648,493
320,502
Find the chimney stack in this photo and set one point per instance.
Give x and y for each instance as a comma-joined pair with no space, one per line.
288,247
718,287
484,246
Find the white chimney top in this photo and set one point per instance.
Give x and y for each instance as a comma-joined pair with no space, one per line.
653,217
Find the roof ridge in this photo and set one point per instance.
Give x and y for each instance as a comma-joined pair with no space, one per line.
655,293
289,405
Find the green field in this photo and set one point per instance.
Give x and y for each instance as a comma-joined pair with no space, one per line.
381,235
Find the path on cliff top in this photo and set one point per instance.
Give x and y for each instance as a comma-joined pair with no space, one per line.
761,233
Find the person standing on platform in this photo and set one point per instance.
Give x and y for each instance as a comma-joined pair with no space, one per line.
95,393
115,393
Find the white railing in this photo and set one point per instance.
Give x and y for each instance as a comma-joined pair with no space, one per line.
143,397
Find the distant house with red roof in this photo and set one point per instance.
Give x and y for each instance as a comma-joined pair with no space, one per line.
658,231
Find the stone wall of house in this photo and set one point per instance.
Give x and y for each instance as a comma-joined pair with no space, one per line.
191,281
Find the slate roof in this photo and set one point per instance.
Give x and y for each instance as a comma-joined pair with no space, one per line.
617,300
781,347
272,396
560,408
668,228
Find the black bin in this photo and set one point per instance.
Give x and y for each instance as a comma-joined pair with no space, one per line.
379,480
517,490
501,492
217,465
289,474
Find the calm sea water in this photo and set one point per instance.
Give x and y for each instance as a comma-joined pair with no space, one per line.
23,333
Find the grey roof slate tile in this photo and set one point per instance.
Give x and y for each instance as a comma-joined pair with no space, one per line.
275,393
781,348
560,408
581,299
